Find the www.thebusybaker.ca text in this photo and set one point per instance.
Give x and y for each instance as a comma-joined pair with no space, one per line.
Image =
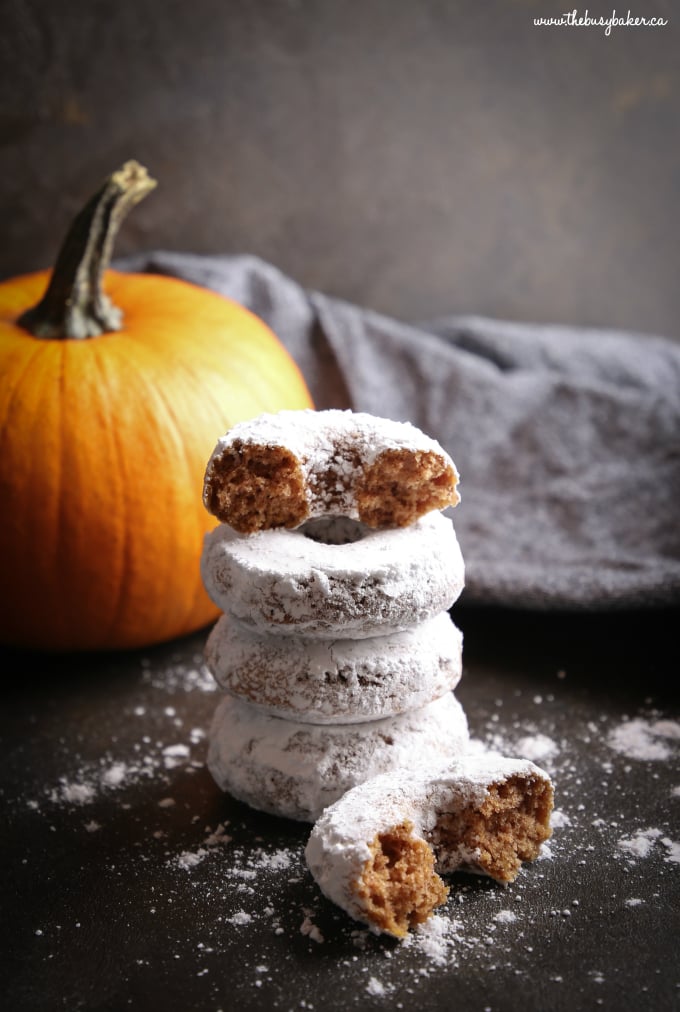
572,19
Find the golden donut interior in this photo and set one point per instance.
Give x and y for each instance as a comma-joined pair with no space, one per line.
403,485
399,886
254,488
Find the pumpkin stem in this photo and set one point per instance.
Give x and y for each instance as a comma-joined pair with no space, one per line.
75,305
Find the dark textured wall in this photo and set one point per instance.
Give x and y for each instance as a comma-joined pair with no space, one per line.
417,156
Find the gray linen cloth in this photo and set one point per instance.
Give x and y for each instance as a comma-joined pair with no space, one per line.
567,439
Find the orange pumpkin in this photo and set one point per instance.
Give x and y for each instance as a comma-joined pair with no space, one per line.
107,420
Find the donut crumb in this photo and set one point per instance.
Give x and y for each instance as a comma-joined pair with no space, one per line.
398,886
506,829
400,486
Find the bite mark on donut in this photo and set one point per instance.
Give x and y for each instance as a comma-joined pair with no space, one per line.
497,836
398,887
402,485
253,487
331,479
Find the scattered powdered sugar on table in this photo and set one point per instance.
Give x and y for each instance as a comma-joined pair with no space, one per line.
91,780
73,793
154,758
376,988
436,939
644,739
672,849
537,747
264,890
94,779
240,918
642,844
179,676
505,916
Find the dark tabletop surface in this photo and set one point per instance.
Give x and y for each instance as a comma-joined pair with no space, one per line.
130,881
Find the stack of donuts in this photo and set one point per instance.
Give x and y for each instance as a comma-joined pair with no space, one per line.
334,568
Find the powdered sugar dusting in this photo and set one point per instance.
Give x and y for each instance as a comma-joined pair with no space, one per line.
240,918
643,844
179,676
436,939
376,988
506,916
639,844
73,793
672,850
647,740
537,747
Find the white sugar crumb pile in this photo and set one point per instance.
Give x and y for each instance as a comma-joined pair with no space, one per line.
647,740
376,988
537,747
436,940
642,845
180,676
505,916
240,918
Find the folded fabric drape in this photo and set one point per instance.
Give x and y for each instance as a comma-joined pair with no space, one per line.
567,439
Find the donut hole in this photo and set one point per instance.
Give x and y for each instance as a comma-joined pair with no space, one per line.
334,530
508,828
399,887
254,488
402,485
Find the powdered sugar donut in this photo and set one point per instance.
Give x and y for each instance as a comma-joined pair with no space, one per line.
278,470
336,681
295,770
374,852
285,582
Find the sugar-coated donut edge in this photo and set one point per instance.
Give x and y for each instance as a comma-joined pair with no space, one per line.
297,770
336,681
279,581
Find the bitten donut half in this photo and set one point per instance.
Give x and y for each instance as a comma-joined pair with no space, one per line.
378,850
278,470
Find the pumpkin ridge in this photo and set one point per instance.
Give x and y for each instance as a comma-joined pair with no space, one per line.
12,393
125,553
59,455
